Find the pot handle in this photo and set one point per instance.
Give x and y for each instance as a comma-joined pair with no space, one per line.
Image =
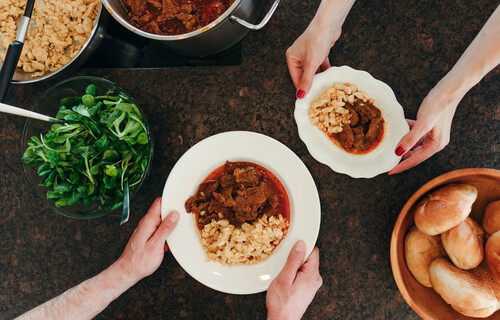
264,21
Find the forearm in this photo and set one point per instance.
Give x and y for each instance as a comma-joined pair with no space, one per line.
482,55
87,299
332,13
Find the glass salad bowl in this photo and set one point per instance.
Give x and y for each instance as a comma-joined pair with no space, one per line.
102,163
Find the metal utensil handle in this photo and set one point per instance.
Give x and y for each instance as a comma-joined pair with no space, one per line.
264,21
14,51
5,108
126,203
9,67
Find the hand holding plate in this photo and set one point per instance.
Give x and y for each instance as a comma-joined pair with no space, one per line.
146,247
294,288
429,134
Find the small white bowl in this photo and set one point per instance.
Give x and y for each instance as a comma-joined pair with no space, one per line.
380,160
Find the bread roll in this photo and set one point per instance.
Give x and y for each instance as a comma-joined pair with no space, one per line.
479,313
464,244
461,288
444,208
485,275
491,219
420,251
492,253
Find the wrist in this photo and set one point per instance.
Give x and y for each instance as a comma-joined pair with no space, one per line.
329,27
117,279
331,15
327,31
123,273
281,315
449,93
108,285
454,87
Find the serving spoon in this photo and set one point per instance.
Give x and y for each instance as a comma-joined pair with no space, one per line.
126,203
5,108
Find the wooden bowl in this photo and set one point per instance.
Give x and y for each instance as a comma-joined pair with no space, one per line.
425,301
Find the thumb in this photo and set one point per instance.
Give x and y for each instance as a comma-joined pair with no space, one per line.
293,262
411,138
305,82
165,229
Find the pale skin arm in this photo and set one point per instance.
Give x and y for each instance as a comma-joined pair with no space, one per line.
141,257
430,133
288,296
294,288
309,53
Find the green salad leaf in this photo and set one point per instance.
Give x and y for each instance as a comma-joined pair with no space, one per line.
102,142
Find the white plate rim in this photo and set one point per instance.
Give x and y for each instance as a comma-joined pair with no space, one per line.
186,224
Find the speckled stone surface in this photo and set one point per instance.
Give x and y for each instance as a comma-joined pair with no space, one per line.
409,45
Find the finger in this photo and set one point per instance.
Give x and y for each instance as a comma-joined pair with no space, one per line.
294,68
318,70
309,272
165,247
411,138
295,74
325,65
410,122
419,143
293,262
150,222
306,80
312,263
411,152
418,156
165,229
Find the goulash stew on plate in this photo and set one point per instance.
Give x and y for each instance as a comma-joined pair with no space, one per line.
349,117
242,212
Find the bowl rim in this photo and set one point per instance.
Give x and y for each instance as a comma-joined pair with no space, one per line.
147,171
428,186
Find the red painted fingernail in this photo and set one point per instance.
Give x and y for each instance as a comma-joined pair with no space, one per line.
400,151
300,94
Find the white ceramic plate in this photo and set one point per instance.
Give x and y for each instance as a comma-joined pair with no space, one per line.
191,170
379,160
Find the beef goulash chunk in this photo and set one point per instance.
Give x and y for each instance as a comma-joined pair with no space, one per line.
347,137
239,192
374,130
354,115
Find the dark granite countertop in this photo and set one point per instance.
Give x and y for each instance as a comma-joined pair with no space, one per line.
409,45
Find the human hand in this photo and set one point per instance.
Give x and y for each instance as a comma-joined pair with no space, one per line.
430,133
309,55
294,288
146,247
